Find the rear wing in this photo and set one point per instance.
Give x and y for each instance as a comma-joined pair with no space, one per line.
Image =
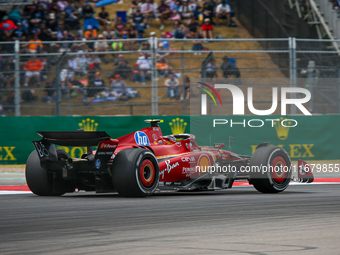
47,152
75,138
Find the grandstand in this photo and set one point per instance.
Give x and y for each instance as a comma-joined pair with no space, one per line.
113,42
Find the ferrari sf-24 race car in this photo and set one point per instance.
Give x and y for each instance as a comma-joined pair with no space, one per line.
140,163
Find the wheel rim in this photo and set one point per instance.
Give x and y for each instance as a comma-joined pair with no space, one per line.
279,169
147,173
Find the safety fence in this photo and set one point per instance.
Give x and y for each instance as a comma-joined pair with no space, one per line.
80,77
303,137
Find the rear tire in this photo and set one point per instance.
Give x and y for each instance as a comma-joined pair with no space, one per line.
135,173
39,181
278,175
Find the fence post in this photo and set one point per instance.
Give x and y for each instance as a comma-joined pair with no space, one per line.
292,69
311,81
338,90
183,80
60,60
152,78
17,78
68,93
156,76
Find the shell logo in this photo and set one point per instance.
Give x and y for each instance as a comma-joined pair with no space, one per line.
204,162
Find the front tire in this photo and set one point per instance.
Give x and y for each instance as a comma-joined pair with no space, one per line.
135,173
271,169
39,181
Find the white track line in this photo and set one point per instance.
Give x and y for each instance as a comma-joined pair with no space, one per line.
12,192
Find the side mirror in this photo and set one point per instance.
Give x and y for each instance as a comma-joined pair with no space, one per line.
219,145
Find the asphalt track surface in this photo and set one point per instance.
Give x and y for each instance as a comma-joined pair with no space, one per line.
304,219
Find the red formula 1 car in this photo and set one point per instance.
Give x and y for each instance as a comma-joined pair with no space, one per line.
140,163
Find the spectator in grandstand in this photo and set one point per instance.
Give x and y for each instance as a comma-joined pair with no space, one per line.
90,43
109,34
163,13
7,76
65,45
80,45
145,46
163,68
15,14
119,26
87,11
72,63
37,15
175,15
101,44
66,74
71,17
52,7
118,86
133,8
162,55
90,33
19,33
104,18
7,26
44,34
34,45
145,65
33,67
117,46
172,86
138,19
118,58
128,44
28,8
207,29
229,67
211,69
136,73
208,11
70,11
172,4
176,25
52,22
120,90
164,39
96,88
152,39
132,33
180,30
81,60
123,69
212,5
94,62
185,10
49,94
193,28
62,5
60,31
186,88
147,9
223,11
29,96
